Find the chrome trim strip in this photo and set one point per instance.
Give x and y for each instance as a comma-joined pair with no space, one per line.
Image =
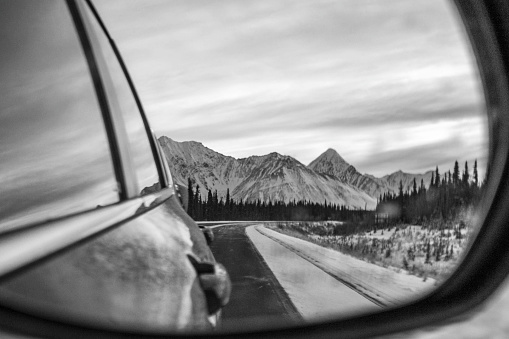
152,140
100,95
131,184
22,247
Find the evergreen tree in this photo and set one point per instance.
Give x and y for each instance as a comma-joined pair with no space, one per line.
209,211
437,178
197,203
428,254
466,176
215,200
190,197
227,205
199,212
476,175
486,175
456,174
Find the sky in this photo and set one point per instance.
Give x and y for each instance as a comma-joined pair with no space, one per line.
390,85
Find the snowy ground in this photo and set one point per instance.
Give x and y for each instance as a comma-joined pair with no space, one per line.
421,251
388,234
384,286
489,321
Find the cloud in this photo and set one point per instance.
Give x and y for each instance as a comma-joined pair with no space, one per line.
421,158
300,77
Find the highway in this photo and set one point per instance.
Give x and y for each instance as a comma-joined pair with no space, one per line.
274,284
257,296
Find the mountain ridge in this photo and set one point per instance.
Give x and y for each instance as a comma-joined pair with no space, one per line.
275,177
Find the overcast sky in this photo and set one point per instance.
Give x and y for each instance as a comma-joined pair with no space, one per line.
389,84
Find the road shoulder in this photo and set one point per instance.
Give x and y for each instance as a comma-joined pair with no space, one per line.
315,293
384,286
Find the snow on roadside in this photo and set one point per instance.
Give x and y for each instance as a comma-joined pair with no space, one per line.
383,285
315,294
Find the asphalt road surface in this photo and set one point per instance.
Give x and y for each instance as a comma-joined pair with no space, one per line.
257,297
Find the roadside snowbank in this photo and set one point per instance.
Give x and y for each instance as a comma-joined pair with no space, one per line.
382,285
315,294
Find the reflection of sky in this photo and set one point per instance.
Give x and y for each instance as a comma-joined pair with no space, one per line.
141,152
389,84
54,153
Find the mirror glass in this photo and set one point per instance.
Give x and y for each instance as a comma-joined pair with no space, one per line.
53,146
336,148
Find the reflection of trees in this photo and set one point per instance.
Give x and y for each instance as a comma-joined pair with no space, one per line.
215,208
439,204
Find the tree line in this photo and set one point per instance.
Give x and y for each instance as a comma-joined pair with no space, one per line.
446,196
442,199
215,209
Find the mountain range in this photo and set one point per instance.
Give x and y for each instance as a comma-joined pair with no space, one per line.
276,177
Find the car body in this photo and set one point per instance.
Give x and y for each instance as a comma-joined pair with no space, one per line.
92,229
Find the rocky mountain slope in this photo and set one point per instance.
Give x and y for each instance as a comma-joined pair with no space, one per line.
331,163
277,177
273,177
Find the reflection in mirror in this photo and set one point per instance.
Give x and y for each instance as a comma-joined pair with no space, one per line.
122,99
54,155
336,149
359,126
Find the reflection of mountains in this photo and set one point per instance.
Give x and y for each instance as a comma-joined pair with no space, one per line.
277,177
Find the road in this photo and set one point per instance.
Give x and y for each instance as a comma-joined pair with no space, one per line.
257,296
315,292
256,293
276,284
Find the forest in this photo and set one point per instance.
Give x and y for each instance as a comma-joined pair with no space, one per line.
433,204
214,209
423,230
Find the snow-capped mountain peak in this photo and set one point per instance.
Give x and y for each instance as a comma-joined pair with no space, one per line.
331,163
